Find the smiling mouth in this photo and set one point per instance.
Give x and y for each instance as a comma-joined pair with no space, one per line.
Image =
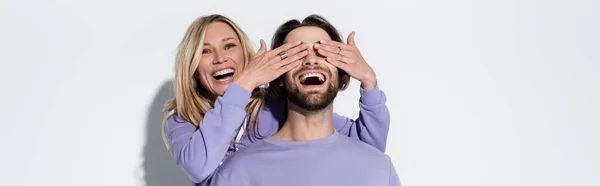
223,75
312,79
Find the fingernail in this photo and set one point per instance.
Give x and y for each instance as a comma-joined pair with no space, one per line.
317,45
298,42
322,41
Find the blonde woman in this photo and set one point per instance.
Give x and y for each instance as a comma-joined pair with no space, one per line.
219,107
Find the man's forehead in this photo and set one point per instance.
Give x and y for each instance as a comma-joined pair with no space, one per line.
308,34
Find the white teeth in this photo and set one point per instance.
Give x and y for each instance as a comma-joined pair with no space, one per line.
320,76
225,79
224,71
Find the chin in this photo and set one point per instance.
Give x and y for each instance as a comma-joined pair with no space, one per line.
221,90
311,99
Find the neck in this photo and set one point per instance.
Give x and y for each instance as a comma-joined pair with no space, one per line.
303,125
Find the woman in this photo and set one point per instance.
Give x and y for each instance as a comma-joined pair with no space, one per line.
219,107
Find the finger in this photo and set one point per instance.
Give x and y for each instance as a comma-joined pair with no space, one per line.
263,47
336,44
295,50
293,58
333,49
289,67
328,48
335,56
284,47
338,64
351,39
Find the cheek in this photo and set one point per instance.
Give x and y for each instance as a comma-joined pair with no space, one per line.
289,78
203,71
335,77
286,80
332,69
202,68
237,55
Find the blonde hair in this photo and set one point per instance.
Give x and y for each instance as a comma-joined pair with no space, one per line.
191,100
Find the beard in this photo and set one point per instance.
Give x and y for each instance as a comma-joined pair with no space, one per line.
310,101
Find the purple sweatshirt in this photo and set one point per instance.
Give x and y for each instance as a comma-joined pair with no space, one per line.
200,150
333,160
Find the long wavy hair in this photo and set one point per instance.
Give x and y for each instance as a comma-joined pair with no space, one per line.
192,100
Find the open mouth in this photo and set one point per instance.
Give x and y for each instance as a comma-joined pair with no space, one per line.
223,75
312,79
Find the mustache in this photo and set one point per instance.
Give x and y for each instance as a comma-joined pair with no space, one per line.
307,68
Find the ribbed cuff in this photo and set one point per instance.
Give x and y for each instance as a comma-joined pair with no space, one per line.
237,95
371,97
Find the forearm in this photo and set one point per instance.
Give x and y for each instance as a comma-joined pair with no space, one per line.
199,151
372,124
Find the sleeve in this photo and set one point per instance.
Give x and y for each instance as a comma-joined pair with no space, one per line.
215,179
373,122
394,180
200,150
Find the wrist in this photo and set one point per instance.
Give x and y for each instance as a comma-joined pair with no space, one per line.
245,83
369,84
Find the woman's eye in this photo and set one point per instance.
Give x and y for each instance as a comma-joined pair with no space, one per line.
229,46
205,51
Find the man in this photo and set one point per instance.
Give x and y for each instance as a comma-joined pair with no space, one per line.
307,150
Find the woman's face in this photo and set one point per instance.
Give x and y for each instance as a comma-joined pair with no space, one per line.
222,58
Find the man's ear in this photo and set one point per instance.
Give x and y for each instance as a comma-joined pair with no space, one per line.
280,81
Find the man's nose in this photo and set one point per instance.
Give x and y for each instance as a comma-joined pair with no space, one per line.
311,57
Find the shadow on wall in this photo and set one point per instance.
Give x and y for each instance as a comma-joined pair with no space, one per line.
159,167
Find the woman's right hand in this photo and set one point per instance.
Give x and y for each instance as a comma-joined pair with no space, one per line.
267,66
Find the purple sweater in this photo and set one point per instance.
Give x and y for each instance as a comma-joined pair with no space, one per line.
333,160
200,150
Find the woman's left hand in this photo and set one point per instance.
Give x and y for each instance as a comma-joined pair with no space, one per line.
348,58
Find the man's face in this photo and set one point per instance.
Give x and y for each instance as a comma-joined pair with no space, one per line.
314,84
